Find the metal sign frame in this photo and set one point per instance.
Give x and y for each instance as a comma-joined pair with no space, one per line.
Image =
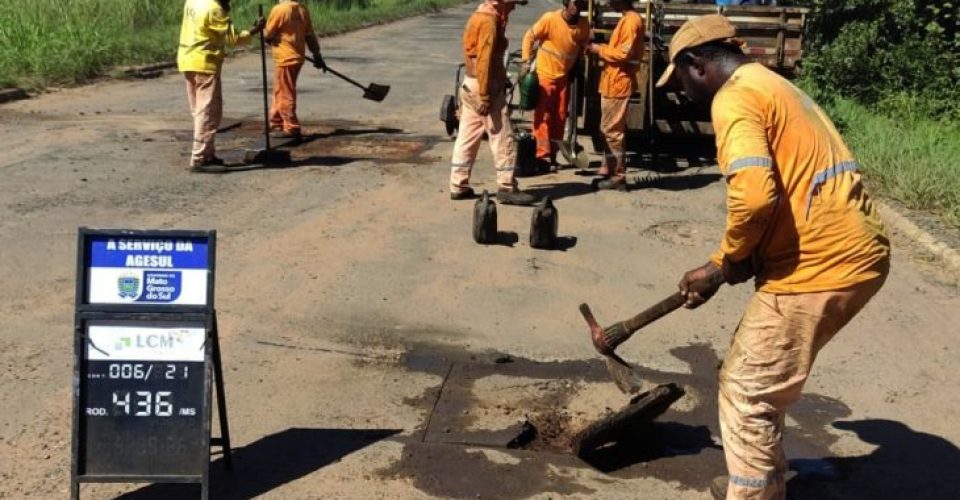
146,314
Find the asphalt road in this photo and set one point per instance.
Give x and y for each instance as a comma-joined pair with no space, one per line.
373,350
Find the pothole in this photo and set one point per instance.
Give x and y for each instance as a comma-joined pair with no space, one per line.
335,142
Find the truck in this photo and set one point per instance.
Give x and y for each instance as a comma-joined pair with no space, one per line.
773,36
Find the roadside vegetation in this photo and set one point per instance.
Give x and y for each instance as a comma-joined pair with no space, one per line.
61,42
887,71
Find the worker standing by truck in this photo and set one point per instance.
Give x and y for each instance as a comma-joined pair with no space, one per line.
205,32
483,106
561,35
289,31
621,59
798,219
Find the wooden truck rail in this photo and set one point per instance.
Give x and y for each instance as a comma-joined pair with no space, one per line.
773,37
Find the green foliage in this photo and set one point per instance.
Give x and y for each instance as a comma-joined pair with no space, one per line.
902,55
53,42
917,168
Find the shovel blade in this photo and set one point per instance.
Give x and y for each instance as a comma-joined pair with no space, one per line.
623,375
376,92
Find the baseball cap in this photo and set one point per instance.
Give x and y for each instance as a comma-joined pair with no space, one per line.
695,32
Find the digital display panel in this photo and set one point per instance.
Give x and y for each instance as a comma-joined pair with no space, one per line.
142,398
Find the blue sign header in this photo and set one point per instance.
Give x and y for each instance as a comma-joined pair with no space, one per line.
148,253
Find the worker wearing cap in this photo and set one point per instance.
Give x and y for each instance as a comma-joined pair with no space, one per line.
621,60
483,106
798,220
561,35
204,33
289,31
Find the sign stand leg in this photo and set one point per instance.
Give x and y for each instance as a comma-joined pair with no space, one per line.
224,440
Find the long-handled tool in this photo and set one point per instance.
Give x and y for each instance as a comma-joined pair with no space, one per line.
605,340
266,156
374,91
568,146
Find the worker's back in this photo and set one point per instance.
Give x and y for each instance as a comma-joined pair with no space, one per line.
205,31
825,233
289,24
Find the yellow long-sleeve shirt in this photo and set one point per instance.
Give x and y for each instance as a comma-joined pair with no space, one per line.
290,28
621,56
560,44
484,44
795,201
204,33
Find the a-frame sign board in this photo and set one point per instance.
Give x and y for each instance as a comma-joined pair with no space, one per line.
146,358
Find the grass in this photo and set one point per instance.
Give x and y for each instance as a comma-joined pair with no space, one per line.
62,42
911,158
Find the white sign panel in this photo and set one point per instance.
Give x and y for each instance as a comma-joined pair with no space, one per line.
144,343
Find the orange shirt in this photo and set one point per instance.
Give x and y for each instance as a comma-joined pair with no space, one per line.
621,57
484,44
795,201
560,44
289,26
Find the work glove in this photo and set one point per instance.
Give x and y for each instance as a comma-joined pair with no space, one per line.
319,63
258,25
698,285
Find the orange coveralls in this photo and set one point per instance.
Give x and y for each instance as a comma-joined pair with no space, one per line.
289,30
484,44
796,207
621,58
560,46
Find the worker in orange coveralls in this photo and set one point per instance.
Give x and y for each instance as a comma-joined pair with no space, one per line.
289,31
483,106
621,60
562,35
798,219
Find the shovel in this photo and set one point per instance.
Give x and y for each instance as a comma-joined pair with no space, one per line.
605,340
373,92
568,146
266,156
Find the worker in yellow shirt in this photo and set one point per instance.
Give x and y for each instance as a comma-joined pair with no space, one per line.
205,32
561,35
289,31
483,106
621,60
798,220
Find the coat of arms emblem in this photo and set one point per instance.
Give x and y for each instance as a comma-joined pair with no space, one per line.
128,287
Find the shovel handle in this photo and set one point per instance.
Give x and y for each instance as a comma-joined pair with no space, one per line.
655,312
661,309
339,74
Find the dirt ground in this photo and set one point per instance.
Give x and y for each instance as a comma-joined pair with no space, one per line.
372,350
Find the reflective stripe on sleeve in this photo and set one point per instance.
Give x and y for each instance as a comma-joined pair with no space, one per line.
748,162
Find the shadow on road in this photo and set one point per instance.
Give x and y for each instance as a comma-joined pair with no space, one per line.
271,462
905,464
559,190
674,182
